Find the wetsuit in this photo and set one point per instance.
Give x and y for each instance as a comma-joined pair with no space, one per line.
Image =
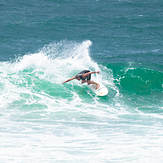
79,75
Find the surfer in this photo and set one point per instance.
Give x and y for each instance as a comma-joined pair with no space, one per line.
84,76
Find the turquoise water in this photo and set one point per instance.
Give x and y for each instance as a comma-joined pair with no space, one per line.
43,43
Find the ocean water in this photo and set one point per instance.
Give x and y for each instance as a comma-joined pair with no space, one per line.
45,42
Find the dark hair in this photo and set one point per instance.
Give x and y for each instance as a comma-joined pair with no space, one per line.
78,76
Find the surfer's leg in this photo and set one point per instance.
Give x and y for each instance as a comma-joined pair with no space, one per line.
92,82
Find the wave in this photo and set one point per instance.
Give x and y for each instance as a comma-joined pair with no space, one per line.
34,80
141,80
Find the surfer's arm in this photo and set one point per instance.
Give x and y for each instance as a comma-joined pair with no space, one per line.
88,73
68,80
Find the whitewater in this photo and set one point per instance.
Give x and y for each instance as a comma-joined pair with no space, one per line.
45,121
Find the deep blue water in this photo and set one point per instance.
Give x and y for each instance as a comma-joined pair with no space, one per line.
45,42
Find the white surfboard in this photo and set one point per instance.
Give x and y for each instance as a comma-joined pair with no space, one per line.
101,91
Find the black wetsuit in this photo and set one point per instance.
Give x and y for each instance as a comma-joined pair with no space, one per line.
79,75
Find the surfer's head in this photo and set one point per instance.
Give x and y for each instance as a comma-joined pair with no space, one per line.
77,77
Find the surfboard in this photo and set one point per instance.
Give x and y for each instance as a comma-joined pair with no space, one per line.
101,91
